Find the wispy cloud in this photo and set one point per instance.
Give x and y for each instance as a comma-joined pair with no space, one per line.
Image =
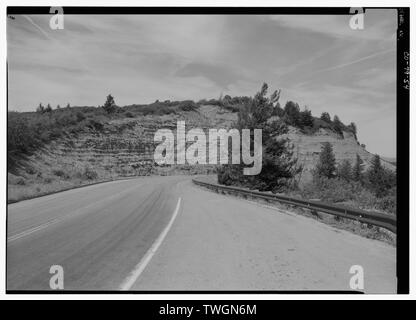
377,25
37,27
317,60
349,63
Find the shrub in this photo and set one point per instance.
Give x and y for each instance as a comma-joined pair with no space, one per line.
326,165
345,170
353,127
326,117
66,119
20,135
47,180
187,105
352,192
94,124
80,116
388,202
305,118
60,173
40,108
331,190
379,179
338,125
319,123
30,170
292,114
357,170
110,105
12,179
215,102
89,174
21,181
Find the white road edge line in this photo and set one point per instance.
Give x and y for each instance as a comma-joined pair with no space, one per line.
137,271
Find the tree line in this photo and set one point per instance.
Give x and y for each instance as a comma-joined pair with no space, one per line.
332,181
376,178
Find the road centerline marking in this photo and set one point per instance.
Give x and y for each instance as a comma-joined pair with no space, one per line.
139,268
72,214
32,230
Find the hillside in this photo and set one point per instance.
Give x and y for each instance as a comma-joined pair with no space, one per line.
123,146
307,148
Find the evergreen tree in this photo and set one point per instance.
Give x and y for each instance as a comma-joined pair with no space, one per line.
48,108
278,164
345,170
109,105
40,108
338,125
305,118
380,179
254,115
357,170
292,113
227,100
376,167
326,117
278,111
326,166
353,128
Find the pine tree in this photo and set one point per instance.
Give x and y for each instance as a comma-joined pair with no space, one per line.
357,170
109,105
305,118
380,180
338,125
375,167
345,170
48,108
278,165
292,113
326,166
326,117
278,111
40,108
353,128
227,100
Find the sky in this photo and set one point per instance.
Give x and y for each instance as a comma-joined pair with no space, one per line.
317,61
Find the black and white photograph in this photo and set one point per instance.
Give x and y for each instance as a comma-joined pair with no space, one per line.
207,150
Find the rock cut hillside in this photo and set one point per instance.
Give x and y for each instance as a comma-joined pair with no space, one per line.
307,148
125,147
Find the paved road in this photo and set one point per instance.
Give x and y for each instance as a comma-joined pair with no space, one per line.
137,235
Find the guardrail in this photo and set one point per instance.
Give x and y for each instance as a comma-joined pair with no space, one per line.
374,218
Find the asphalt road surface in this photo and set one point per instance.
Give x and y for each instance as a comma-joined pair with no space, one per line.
164,233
